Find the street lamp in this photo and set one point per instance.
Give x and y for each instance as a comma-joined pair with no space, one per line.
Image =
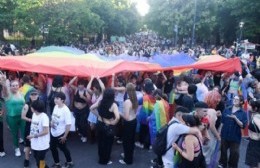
44,30
241,25
176,34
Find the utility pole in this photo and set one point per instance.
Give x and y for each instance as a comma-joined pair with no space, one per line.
194,26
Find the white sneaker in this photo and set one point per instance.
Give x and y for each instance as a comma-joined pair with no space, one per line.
122,161
2,154
109,162
20,140
17,152
138,144
84,139
119,141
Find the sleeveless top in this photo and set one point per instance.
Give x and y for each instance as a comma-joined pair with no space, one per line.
252,127
106,114
28,124
14,105
77,97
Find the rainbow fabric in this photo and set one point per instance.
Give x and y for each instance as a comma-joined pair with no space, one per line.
147,108
158,118
24,90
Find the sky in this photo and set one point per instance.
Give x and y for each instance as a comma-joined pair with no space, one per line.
142,6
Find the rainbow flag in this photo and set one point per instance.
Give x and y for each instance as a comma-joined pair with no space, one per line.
25,90
158,118
147,108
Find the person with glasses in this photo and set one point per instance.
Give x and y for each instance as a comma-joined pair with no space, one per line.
14,102
233,120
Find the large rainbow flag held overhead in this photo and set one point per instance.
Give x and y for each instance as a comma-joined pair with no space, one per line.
71,62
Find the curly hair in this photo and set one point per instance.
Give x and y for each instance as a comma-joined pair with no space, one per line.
212,99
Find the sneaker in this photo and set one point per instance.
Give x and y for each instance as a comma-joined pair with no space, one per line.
122,155
139,145
17,152
154,161
122,161
119,141
157,166
26,163
68,165
21,141
2,154
84,139
56,165
109,162
220,166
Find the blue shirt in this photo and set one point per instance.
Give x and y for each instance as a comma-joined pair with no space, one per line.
231,131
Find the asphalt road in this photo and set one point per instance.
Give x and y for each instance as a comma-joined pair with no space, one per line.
84,155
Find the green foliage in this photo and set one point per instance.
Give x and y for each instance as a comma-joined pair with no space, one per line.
68,20
217,21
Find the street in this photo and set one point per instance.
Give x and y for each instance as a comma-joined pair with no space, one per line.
85,155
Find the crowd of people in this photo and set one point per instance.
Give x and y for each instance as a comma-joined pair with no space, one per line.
143,44
203,110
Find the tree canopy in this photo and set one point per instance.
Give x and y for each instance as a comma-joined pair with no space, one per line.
68,20
217,21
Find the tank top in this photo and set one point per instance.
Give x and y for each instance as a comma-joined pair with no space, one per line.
252,127
77,97
106,114
14,105
29,113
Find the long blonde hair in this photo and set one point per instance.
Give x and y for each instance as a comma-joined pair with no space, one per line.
130,89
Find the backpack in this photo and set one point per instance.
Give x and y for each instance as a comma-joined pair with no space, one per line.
160,144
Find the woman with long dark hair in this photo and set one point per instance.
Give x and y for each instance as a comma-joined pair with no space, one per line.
129,124
27,117
57,86
189,146
108,116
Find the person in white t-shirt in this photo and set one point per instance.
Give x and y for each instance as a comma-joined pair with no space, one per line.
174,131
39,133
60,127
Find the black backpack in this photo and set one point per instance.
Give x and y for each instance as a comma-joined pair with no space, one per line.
160,144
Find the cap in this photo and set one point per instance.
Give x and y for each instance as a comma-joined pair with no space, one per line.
33,90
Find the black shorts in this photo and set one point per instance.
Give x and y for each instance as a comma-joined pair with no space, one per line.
253,153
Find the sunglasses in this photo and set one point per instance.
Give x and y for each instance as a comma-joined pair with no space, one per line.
34,94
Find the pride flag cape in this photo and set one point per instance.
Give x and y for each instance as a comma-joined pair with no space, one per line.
158,118
25,90
147,108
